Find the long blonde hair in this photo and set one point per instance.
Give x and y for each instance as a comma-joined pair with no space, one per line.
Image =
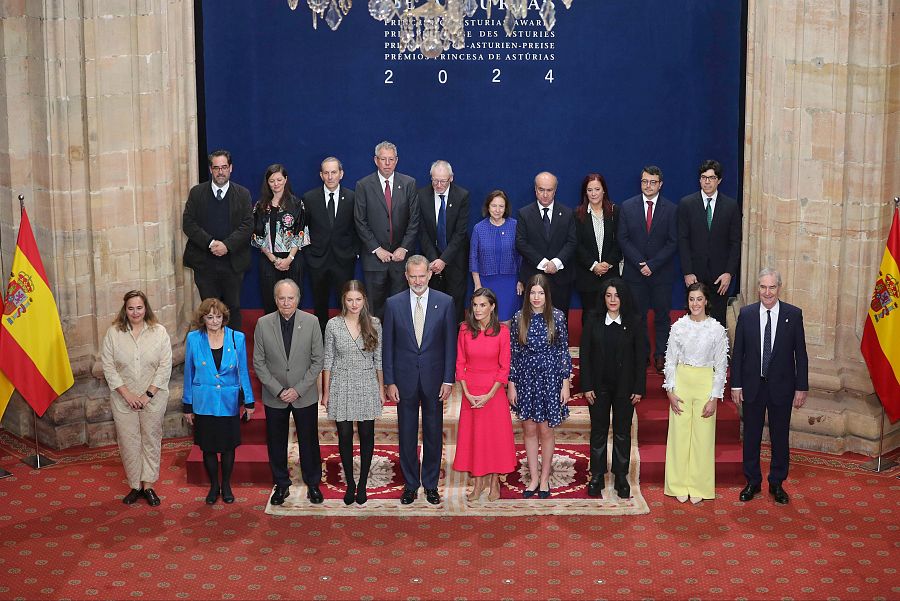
527,311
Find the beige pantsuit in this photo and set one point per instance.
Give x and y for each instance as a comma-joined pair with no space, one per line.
137,363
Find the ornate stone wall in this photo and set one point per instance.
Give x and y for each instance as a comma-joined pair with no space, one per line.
98,131
821,165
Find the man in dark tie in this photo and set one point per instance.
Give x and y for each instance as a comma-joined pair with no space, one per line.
387,222
419,361
334,246
709,238
545,237
648,238
218,221
769,374
444,233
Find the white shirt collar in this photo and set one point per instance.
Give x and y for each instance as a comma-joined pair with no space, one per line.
224,189
337,193
653,200
549,206
383,179
714,197
774,310
610,320
413,297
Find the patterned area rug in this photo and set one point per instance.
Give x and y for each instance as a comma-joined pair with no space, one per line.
568,481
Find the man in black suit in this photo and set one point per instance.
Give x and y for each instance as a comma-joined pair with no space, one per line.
545,237
387,222
769,374
218,221
333,248
709,238
648,238
444,233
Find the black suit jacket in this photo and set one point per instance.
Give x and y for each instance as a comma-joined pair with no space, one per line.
371,215
789,364
534,245
197,251
330,242
629,357
586,253
709,252
457,251
655,248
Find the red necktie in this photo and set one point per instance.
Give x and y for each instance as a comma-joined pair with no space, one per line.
387,200
649,215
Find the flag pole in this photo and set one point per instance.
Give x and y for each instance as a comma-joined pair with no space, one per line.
879,464
6,473
37,461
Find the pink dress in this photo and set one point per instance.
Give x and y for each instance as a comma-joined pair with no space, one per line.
485,443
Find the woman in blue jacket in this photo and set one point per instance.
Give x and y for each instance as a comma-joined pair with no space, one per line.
216,383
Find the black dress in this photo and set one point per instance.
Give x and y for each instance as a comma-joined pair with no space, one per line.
214,433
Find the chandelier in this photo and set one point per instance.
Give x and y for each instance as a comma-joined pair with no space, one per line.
432,27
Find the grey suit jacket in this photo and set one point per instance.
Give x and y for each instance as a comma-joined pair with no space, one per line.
371,215
277,371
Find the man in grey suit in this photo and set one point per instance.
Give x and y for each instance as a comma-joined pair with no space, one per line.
387,222
287,358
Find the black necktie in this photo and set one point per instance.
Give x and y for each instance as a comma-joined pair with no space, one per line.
546,221
767,344
331,208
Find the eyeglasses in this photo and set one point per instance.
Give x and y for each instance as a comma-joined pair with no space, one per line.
440,182
708,178
649,182
220,167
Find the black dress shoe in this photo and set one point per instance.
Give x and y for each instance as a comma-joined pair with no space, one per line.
595,487
408,496
749,492
361,496
133,496
280,494
212,495
152,497
623,489
781,497
314,494
350,494
227,495
432,496
543,494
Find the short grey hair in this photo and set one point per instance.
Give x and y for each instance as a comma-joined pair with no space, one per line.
385,145
441,164
769,271
332,160
288,281
416,260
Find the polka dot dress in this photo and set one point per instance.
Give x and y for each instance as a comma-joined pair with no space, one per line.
539,368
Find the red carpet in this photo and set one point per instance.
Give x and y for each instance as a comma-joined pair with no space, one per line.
64,533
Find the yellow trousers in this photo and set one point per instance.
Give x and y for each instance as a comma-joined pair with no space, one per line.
691,445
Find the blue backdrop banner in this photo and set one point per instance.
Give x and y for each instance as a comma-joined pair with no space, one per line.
617,85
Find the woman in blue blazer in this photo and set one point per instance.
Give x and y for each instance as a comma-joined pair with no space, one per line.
216,383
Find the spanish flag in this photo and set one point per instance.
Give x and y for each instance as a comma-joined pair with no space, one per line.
33,357
881,335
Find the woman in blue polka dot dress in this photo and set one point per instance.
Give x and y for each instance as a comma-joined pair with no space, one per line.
539,378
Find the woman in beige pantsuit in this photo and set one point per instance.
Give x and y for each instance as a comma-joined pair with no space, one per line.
137,363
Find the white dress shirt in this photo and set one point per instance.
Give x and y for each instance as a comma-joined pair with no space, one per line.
555,260
337,196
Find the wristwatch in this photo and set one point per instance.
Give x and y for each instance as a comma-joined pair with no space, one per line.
149,394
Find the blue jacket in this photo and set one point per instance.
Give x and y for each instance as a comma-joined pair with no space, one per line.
211,392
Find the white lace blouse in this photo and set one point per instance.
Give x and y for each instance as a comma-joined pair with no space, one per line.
700,344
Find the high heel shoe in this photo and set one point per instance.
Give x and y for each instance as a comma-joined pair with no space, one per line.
529,492
212,495
361,496
350,495
477,489
227,495
544,494
494,495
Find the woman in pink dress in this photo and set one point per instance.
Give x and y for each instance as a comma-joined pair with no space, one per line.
485,445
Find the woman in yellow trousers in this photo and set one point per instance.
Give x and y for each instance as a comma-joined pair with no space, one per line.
696,360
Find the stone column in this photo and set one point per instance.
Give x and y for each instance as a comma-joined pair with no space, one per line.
822,161
99,119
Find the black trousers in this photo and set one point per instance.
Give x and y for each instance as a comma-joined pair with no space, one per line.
432,438
382,284
269,275
326,279
306,420
219,280
649,294
717,303
779,435
452,281
622,412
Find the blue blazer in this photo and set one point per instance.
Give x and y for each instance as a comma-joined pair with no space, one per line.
657,248
403,361
211,392
788,367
